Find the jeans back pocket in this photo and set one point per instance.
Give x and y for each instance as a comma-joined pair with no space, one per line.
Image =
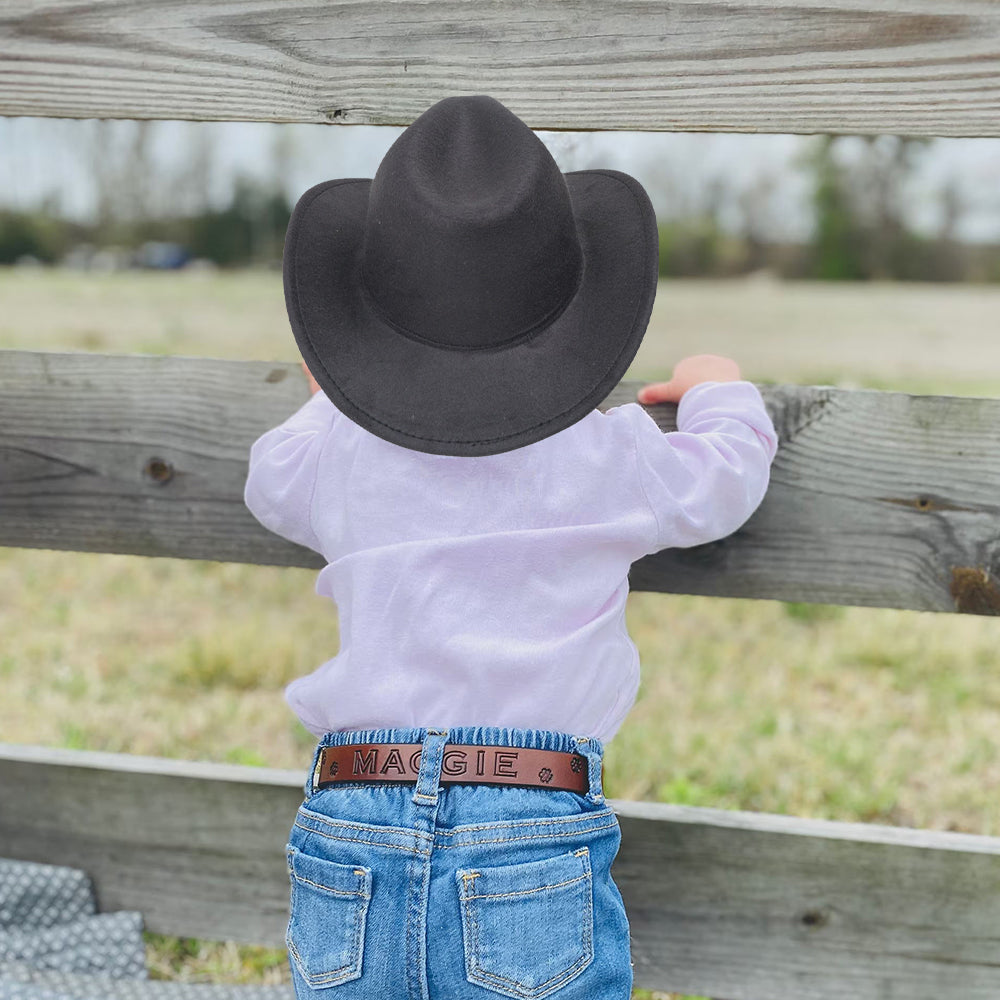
528,929
327,914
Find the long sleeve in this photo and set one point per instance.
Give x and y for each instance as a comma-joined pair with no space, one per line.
283,469
704,480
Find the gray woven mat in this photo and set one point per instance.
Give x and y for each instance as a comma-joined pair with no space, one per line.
54,945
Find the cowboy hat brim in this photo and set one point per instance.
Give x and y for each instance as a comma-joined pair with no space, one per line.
448,401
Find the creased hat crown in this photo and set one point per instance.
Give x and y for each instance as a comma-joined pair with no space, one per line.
468,200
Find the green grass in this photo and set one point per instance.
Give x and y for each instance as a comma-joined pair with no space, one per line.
857,714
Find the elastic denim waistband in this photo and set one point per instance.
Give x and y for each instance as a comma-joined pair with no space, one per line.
534,739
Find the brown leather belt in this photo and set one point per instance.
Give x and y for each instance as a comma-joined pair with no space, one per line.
461,764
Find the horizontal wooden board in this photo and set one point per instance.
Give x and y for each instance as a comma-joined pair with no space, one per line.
197,847
742,905
917,67
876,498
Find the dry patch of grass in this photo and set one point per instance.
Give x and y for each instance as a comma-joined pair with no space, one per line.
860,714
222,315
192,961
923,338
166,657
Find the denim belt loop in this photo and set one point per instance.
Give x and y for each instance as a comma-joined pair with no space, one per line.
590,747
429,778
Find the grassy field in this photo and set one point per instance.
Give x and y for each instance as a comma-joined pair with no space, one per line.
858,714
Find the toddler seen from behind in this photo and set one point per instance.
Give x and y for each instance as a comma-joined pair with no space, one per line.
461,316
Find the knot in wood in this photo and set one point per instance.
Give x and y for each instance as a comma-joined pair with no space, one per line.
816,917
975,590
159,470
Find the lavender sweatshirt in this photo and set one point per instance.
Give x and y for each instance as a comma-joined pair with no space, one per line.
490,591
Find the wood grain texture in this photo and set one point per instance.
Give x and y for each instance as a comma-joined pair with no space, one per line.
876,498
197,848
742,905
925,67
753,906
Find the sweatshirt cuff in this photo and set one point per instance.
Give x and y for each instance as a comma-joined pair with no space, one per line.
740,400
724,395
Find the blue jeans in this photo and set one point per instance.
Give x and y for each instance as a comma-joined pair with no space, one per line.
430,891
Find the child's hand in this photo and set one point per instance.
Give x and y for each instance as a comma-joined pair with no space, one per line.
313,384
687,373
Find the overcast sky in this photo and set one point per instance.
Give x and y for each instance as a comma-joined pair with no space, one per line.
46,156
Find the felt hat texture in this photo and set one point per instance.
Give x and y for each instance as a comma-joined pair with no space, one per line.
470,298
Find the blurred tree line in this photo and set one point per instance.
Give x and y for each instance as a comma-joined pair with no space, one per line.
140,203
249,230
860,229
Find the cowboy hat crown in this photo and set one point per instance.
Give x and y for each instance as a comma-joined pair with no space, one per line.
469,196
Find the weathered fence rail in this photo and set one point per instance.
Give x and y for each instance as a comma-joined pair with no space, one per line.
876,498
918,67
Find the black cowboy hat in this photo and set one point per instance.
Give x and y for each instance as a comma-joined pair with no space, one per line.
471,298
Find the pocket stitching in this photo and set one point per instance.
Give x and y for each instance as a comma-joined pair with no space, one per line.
566,976
323,978
476,973
330,888
526,892
344,972
351,970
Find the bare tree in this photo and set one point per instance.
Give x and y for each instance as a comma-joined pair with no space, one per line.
755,206
100,159
953,208
188,190
137,172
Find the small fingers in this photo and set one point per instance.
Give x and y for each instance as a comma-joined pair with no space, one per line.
657,392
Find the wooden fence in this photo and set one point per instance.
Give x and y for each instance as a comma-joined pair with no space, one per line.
881,499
